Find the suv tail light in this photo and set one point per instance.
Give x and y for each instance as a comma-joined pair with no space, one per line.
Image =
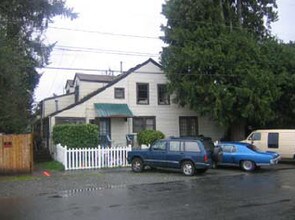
206,158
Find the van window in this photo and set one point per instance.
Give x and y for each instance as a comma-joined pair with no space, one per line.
255,136
273,140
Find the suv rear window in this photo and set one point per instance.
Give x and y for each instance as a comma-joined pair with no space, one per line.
208,144
191,146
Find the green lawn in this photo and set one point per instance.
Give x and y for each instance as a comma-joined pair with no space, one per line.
50,166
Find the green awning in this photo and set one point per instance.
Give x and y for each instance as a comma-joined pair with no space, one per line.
109,110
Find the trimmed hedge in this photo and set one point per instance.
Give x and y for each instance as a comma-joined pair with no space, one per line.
149,136
76,135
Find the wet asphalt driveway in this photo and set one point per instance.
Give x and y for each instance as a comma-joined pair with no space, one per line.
120,194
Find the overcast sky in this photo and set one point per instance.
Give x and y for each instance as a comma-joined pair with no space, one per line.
108,32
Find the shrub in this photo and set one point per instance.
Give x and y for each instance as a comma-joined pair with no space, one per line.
149,136
76,135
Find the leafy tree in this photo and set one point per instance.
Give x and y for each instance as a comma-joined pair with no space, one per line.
221,59
22,49
149,136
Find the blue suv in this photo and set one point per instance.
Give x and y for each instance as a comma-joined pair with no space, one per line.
192,154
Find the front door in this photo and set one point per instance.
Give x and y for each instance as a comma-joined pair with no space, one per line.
105,131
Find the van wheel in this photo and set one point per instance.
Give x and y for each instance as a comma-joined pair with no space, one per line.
188,168
247,165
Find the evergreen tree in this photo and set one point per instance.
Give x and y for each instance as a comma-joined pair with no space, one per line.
22,49
219,59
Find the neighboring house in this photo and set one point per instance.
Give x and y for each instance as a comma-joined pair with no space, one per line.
84,84
69,86
127,104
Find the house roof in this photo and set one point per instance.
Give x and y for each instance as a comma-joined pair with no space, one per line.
94,78
70,82
118,78
57,96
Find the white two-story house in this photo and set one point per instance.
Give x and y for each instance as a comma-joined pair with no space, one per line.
124,105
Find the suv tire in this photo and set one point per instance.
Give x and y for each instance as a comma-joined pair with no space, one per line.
137,165
188,168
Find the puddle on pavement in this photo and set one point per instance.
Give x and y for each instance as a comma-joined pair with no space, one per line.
74,192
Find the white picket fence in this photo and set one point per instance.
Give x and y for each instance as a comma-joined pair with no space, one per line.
91,158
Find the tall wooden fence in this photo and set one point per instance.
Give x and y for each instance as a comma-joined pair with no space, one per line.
16,153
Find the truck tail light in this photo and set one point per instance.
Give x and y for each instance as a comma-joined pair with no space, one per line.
206,158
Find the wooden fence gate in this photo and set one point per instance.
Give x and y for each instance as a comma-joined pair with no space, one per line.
16,154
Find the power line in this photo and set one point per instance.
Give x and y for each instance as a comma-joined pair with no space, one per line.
104,33
97,50
146,72
77,69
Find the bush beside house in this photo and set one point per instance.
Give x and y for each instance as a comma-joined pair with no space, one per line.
149,136
76,135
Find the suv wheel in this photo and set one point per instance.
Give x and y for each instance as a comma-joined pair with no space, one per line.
188,168
248,165
137,165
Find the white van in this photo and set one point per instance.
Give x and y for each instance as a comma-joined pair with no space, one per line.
281,141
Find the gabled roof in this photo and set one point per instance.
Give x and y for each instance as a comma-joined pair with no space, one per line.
94,78
57,96
118,78
70,82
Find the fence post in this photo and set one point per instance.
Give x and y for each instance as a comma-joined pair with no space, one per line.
65,150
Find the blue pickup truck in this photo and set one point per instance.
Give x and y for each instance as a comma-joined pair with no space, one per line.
193,154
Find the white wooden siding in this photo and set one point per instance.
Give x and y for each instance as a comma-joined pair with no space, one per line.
85,88
167,116
49,105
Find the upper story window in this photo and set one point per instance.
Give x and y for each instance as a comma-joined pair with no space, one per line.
142,93
163,96
119,93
